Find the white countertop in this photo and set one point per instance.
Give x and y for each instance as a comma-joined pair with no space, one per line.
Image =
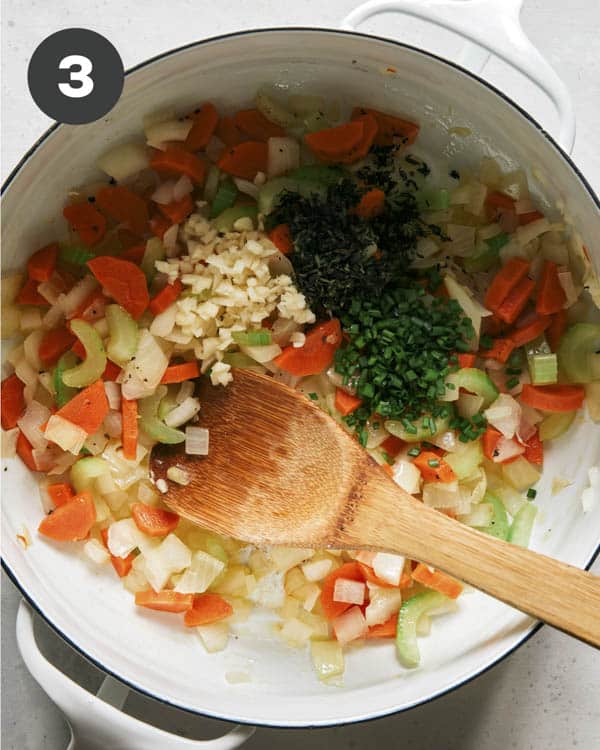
543,697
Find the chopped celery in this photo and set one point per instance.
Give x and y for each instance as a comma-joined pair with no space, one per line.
243,361
488,254
418,431
168,403
92,367
554,425
434,200
211,184
252,338
150,422
225,198
466,459
318,173
216,549
62,391
497,242
475,381
85,471
225,220
543,369
75,255
498,526
154,251
520,529
123,335
579,353
408,617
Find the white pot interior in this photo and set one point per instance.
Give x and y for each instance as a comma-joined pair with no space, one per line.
88,605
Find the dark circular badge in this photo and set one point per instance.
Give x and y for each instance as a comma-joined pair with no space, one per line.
75,76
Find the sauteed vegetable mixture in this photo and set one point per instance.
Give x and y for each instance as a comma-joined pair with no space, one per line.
438,316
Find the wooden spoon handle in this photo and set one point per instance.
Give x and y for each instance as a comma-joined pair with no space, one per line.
563,596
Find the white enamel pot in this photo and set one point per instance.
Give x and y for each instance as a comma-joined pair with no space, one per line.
87,606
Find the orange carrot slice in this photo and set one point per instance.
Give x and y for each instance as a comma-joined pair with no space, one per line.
206,609
154,521
71,521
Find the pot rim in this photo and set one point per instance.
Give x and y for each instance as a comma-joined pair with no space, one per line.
531,121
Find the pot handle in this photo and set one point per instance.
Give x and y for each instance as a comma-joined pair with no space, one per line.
490,26
96,721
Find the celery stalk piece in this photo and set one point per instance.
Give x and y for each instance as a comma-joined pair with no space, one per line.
543,369
475,381
92,367
554,425
224,198
154,251
499,525
123,335
252,338
579,353
420,430
410,613
62,391
434,200
85,471
152,425
520,529
225,220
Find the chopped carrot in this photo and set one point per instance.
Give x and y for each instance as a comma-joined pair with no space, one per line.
245,160
25,452
206,609
12,401
154,521
392,445
466,360
111,371
501,350
166,297
159,225
507,278
179,373
493,326
123,281
41,265
530,332
489,441
125,207
87,408
129,431
346,403
91,306
556,329
29,295
281,237
331,608
72,520
127,238
370,129
174,161
516,300
371,204
54,344
387,629
388,469
553,398
205,121
256,126
529,217
164,601
437,580
135,253
534,450
498,200
122,565
178,211
391,130
433,468
316,354
338,141
60,493
551,296
227,131
87,221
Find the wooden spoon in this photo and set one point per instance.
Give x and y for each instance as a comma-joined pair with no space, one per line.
281,471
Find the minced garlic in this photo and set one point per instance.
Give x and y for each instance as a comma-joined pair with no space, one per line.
228,287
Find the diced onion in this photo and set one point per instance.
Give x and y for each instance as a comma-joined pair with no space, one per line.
524,206
171,556
316,570
124,161
295,632
31,346
529,232
262,353
469,404
565,278
504,414
520,473
170,239
67,435
202,572
214,637
34,416
186,389
407,476
164,322
96,552
54,315
183,412
445,440
283,156
31,318
74,298
507,448
214,148
350,626
477,198
9,442
164,193
123,537
383,602
327,658
143,372
445,495
481,515
182,187
160,133
246,187
113,394
49,292
196,441
113,423
388,567
348,591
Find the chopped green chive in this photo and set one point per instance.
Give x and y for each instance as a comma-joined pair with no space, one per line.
414,452
531,493
314,396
